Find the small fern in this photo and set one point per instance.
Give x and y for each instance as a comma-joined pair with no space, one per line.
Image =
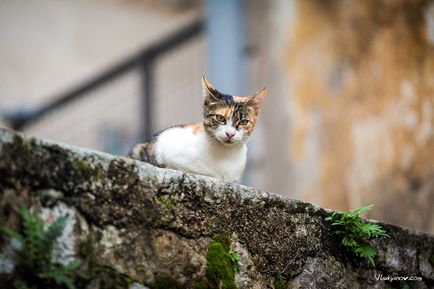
355,233
36,254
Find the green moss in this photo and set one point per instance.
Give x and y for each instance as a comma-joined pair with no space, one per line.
27,144
397,285
107,277
431,260
80,165
160,223
201,285
278,283
87,253
164,282
128,280
219,266
85,249
84,168
166,202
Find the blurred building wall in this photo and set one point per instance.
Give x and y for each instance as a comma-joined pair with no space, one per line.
356,86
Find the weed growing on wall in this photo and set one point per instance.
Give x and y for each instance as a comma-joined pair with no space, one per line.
355,232
35,253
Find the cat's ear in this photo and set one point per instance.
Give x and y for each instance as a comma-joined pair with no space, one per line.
257,99
210,94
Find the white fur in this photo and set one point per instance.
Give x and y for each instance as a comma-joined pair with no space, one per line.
179,148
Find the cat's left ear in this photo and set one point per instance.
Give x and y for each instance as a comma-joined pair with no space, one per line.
210,94
257,99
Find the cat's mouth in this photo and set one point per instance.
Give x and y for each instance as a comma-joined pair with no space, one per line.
229,142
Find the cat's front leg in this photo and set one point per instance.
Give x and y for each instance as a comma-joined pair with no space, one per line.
145,152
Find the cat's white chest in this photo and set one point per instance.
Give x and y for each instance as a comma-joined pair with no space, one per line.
181,149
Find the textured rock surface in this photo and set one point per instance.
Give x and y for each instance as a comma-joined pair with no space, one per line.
146,222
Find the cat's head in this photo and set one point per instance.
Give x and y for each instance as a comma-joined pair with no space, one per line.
230,119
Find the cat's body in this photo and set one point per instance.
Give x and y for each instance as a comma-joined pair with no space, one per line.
216,147
187,148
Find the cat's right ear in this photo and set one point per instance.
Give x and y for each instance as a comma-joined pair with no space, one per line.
210,94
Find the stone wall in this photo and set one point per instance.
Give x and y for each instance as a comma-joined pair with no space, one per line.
152,224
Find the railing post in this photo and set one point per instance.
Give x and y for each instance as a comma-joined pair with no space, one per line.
226,27
147,74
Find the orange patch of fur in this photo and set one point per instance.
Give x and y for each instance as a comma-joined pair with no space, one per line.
225,111
195,127
252,118
228,112
240,98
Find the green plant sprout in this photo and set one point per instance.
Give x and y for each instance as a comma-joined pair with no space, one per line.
35,251
355,233
234,260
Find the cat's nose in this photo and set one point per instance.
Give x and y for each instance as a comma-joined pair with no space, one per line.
230,134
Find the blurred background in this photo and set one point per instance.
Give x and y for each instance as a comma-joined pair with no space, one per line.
349,116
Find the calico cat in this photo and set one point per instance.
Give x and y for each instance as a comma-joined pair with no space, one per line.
215,147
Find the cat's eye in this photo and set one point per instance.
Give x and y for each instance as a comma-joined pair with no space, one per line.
244,122
220,118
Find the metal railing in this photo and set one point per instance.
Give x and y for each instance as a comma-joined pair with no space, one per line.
144,61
